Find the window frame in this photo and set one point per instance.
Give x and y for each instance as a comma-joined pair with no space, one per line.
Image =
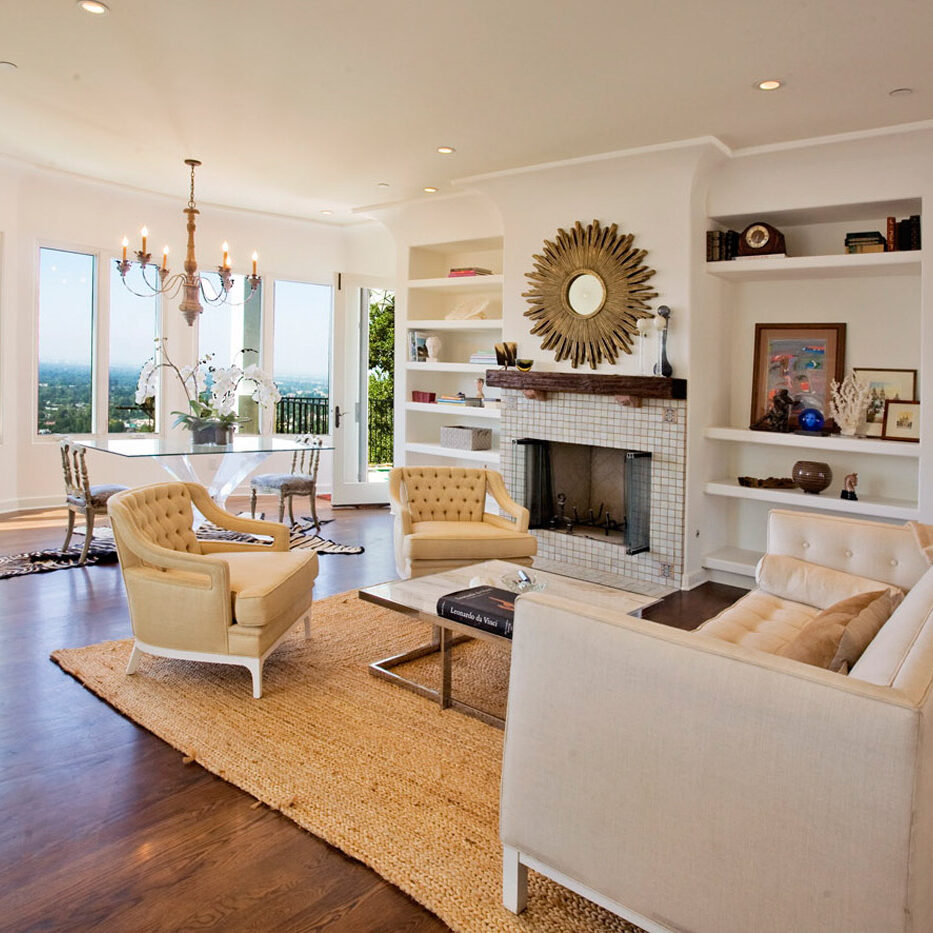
65,247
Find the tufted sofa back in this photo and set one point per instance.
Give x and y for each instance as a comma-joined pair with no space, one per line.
444,494
161,514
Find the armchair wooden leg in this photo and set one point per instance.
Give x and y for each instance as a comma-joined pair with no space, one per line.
255,668
88,534
514,881
317,521
291,513
308,624
133,662
71,528
281,508
252,503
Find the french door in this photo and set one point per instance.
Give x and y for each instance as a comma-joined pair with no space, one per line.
361,416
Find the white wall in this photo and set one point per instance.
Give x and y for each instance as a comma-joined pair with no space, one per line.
42,207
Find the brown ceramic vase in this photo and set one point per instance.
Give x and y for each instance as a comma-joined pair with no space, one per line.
812,476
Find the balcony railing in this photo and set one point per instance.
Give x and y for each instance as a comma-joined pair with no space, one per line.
295,415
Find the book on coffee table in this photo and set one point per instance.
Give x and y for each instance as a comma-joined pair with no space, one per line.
483,607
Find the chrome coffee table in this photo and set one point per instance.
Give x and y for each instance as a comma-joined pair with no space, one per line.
418,598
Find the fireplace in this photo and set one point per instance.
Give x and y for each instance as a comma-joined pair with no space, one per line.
590,490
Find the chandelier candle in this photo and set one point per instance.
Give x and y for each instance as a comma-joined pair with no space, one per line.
189,283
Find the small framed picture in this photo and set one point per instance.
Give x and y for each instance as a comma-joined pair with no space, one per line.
901,421
895,384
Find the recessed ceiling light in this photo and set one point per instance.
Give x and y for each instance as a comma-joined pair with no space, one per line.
94,6
383,184
446,150
901,92
327,212
770,85
430,189
8,66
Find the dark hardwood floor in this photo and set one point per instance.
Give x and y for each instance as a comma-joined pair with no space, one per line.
104,827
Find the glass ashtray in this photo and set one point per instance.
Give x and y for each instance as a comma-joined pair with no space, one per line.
512,581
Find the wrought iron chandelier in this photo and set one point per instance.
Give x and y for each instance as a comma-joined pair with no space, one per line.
189,281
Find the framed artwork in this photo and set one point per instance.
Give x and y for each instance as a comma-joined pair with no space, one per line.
901,421
801,358
894,384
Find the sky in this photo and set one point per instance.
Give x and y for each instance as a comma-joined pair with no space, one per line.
66,282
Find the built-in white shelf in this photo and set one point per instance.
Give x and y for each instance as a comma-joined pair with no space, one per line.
444,324
904,509
450,453
764,268
834,443
458,411
733,560
464,283
478,368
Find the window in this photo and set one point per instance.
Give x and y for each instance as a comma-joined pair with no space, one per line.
66,341
226,330
134,325
302,356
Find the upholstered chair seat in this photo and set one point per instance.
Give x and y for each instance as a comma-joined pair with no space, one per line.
80,496
97,495
217,601
297,485
441,520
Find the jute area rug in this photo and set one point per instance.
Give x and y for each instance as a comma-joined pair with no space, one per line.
378,772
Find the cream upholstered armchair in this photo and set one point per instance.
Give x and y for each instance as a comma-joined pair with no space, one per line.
219,601
441,520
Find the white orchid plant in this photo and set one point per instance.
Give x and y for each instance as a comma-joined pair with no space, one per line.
214,404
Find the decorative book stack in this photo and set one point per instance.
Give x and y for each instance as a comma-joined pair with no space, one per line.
463,271
903,234
866,241
721,244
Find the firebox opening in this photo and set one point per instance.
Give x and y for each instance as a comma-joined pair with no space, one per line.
591,491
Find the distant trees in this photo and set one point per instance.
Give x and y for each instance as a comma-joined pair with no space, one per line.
381,376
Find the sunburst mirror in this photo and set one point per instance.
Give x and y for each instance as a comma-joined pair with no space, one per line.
588,290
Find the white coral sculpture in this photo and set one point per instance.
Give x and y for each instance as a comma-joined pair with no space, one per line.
849,403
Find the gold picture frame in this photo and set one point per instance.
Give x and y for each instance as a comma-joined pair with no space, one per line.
588,290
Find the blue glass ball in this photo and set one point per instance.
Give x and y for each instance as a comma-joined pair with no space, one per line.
811,419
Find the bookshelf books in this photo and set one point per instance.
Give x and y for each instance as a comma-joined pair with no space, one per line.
721,245
484,607
461,271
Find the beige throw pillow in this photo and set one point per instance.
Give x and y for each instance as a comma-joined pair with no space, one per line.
923,534
836,638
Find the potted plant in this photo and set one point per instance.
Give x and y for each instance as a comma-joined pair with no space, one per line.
212,410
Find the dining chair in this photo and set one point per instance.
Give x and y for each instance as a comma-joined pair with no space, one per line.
301,481
81,496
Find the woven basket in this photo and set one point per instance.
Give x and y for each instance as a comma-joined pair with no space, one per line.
461,437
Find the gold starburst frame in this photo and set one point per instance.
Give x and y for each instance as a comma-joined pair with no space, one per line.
613,260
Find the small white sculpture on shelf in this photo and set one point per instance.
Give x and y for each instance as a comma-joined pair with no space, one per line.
848,403
433,346
471,309
644,325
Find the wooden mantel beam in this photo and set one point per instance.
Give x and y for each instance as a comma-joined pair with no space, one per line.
588,383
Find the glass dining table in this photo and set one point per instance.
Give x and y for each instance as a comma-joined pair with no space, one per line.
176,455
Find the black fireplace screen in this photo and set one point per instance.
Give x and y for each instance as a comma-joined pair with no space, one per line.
598,492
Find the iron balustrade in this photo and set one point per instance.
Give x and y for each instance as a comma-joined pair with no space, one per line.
298,415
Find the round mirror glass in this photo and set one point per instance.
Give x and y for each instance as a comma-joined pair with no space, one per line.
586,294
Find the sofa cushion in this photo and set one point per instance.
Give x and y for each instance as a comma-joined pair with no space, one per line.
811,584
901,654
451,540
760,620
837,636
264,586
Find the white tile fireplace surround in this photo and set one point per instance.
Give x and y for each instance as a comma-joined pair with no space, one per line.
658,427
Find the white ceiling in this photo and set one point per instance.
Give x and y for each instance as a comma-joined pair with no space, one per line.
299,105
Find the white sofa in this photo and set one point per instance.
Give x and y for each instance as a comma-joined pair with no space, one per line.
690,784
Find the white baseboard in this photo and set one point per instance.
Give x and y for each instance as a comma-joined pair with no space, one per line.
31,502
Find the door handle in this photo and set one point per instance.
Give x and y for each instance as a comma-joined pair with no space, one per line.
336,416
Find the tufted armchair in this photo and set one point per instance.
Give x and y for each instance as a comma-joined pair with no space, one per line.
441,520
220,601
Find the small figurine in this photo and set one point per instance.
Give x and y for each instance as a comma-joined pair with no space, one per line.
480,383
850,482
433,345
777,417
